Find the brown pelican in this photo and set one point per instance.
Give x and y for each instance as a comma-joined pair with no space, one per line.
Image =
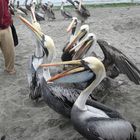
92,122
47,8
65,13
82,48
21,10
114,60
44,53
81,11
61,97
50,4
72,27
28,6
67,55
39,16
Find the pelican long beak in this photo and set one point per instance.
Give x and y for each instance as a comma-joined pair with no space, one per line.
70,26
80,5
76,47
38,33
33,12
67,72
74,62
83,49
70,45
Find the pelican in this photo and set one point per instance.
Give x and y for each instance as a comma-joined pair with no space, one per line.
65,13
82,48
81,11
61,97
114,60
44,53
48,10
39,16
67,55
72,27
21,10
50,4
28,6
92,122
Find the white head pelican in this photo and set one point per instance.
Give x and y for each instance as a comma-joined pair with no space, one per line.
91,122
61,98
84,29
44,53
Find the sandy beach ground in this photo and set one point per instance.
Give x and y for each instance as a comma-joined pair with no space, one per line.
22,119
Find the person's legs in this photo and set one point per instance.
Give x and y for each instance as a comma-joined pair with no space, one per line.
7,47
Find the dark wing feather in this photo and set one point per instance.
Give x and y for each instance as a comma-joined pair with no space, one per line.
23,10
112,113
123,63
67,94
59,98
39,16
67,14
83,11
70,1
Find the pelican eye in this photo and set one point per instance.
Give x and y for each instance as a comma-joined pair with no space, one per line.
83,30
91,37
85,64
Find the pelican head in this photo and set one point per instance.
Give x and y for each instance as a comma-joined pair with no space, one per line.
72,24
82,70
83,46
33,17
84,29
45,41
35,30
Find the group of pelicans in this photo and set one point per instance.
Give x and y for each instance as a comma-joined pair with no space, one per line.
92,119
47,9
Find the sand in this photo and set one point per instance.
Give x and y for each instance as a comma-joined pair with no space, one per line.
23,119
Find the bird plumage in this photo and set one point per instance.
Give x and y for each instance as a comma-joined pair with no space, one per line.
93,124
22,9
65,13
48,10
102,128
65,95
81,11
115,58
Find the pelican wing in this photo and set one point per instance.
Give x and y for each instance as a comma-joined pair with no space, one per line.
110,129
83,10
50,13
112,113
66,14
39,16
23,10
123,63
59,97
70,1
